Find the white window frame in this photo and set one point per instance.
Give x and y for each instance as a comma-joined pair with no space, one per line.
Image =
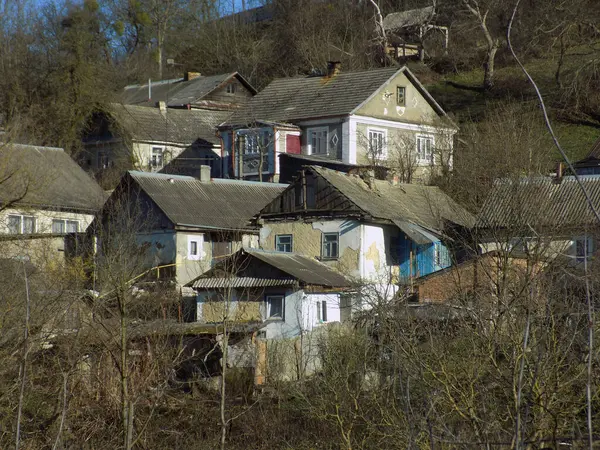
153,162
337,244
427,160
197,239
322,311
22,223
291,243
267,307
231,89
64,225
252,143
403,103
309,135
377,131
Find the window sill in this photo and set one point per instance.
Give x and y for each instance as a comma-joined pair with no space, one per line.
322,258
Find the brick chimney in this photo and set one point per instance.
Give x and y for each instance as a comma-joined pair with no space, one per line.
191,75
333,68
204,174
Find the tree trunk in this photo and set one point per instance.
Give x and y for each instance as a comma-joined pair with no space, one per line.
488,67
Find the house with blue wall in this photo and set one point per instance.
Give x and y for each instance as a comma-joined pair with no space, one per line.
374,231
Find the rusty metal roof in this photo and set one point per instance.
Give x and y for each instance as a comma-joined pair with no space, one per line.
216,204
540,202
297,269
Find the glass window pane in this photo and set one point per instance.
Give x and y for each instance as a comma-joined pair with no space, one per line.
193,248
14,224
275,306
28,224
58,226
72,226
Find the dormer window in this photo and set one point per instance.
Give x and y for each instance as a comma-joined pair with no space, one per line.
400,96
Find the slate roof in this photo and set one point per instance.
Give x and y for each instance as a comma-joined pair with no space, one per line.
540,202
217,204
426,206
181,126
595,151
409,18
178,92
307,271
293,99
46,177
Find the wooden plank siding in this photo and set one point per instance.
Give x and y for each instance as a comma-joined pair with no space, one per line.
320,196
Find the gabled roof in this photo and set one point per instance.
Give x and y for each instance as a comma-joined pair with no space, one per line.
46,177
179,92
294,99
216,204
180,126
418,210
294,268
536,202
409,18
595,151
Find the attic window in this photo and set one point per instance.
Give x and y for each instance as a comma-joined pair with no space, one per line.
400,96
231,88
157,158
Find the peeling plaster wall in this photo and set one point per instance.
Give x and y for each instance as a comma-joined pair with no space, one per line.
211,307
307,238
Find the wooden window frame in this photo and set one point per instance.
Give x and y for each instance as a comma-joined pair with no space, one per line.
325,244
290,244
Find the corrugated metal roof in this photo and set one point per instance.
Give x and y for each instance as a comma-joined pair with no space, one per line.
219,203
178,92
540,202
426,206
301,269
180,126
240,282
307,270
46,177
412,17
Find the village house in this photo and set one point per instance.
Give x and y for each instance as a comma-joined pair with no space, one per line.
150,139
184,224
44,196
590,165
165,126
227,91
542,216
382,117
406,32
373,231
292,293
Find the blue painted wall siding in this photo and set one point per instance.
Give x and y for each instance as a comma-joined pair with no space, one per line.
424,260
